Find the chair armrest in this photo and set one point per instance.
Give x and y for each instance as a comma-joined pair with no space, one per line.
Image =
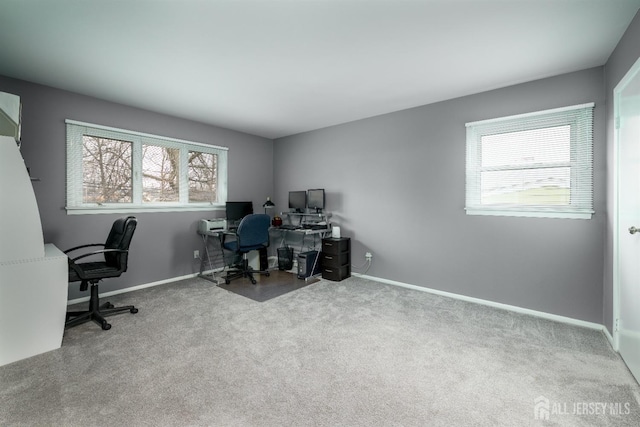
226,234
83,246
103,251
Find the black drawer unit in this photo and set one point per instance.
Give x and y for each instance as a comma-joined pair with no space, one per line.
331,260
336,274
335,246
336,258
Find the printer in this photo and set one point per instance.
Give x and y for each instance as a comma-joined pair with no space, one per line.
211,225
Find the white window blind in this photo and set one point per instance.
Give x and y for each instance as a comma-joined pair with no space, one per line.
115,170
537,164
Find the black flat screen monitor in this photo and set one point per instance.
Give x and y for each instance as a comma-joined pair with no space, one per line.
315,199
238,210
297,200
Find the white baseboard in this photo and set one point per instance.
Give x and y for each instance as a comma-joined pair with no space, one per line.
489,303
609,337
271,260
143,286
516,309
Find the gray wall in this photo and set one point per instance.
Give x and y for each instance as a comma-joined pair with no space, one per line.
163,245
623,57
396,186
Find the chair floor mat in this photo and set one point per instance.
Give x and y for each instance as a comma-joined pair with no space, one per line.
276,284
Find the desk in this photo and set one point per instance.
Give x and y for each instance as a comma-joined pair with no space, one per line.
209,237
214,237
211,256
302,234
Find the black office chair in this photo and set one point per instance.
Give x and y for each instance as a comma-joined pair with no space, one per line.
115,255
252,234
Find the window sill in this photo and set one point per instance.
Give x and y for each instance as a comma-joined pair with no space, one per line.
530,213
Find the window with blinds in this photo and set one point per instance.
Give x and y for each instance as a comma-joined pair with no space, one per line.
538,164
115,170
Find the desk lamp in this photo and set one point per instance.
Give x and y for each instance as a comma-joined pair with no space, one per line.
268,205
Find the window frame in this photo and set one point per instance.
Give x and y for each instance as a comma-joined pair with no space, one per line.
75,130
580,119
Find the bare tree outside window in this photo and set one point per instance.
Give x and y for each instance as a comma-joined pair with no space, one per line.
203,170
160,172
117,170
107,173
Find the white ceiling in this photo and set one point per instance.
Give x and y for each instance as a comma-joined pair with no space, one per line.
279,67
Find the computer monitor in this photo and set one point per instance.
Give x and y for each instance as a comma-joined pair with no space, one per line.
315,199
297,200
236,211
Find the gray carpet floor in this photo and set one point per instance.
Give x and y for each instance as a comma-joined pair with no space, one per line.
350,353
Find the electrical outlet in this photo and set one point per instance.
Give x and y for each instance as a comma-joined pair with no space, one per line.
368,256
196,254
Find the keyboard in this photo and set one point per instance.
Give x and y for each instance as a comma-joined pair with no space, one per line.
289,227
314,227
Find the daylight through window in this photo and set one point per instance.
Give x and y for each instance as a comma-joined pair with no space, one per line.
537,164
114,170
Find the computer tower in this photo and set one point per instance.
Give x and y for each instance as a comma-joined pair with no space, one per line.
264,259
306,263
258,260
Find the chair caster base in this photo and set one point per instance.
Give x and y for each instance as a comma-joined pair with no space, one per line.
96,312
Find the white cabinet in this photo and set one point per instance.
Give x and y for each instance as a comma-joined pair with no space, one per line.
33,304
33,276
20,226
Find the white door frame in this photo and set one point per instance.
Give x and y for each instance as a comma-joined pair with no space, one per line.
635,69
